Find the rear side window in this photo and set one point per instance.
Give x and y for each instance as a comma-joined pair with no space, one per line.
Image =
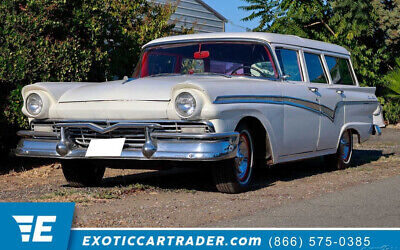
314,67
289,61
339,69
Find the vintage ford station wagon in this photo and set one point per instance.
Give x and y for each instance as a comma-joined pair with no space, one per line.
236,100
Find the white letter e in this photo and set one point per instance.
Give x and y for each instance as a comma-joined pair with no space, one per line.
39,228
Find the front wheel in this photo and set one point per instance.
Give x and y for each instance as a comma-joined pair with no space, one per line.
82,173
235,175
342,158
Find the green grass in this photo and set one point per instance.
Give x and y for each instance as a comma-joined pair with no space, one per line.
93,194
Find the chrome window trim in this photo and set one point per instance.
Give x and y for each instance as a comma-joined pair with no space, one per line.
323,65
349,65
299,60
308,48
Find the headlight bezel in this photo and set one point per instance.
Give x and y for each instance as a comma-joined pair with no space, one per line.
191,111
40,103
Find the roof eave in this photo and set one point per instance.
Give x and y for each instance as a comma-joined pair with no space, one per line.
209,8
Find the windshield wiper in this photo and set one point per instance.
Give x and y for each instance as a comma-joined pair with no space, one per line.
212,73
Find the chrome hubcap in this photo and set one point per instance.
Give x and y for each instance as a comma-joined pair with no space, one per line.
243,159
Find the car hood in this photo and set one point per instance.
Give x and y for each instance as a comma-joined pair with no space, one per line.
144,89
144,98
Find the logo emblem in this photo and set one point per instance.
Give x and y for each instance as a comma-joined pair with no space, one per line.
25,223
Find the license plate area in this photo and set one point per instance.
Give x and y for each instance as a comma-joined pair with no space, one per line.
105,147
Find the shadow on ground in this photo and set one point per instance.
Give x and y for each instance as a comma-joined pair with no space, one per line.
18,164
200,178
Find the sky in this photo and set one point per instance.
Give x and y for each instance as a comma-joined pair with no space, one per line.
230,10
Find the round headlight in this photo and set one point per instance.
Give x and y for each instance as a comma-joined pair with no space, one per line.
34,104
185,104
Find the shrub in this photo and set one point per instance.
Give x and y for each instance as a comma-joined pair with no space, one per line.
392,112
58,40
391,93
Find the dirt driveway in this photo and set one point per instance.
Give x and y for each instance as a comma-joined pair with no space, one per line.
186,198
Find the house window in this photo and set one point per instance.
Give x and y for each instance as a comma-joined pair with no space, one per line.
339,69
315,69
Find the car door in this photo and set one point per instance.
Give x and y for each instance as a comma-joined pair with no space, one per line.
332,101
301,117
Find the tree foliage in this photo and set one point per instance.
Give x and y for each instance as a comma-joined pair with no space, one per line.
70,40
368,29
60,40
392,79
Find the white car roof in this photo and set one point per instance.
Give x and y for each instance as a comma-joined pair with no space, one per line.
272,38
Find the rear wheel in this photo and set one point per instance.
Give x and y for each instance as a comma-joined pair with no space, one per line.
342,158
82,173
235,175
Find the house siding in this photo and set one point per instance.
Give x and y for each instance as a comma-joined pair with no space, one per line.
193,14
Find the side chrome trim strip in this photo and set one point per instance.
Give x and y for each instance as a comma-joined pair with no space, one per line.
287,100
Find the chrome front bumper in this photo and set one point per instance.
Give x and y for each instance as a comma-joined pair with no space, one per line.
157,146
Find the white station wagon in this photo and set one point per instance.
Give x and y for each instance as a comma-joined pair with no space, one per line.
236,100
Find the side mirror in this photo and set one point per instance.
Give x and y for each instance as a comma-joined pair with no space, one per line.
285,77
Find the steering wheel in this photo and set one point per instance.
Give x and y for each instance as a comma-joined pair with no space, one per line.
248,67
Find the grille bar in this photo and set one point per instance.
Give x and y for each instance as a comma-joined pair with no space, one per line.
81,133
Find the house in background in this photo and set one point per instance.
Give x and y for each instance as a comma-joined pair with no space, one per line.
195,14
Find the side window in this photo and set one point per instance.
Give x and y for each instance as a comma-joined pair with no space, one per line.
339,69
262,62
265,67
314,67
290,63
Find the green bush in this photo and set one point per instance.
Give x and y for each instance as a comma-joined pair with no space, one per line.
392,112
70,40
13,109
391,94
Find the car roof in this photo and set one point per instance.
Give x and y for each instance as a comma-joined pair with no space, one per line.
272,38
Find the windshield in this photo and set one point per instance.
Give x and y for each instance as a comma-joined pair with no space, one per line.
227,58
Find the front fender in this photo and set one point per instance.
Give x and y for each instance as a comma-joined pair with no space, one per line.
229,119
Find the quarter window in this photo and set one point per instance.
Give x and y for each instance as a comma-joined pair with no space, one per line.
314,67
339,69
289,61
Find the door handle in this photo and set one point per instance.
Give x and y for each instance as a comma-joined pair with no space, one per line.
340,91
313,89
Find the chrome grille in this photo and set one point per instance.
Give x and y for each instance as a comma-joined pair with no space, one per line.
134,136
53,126
83,136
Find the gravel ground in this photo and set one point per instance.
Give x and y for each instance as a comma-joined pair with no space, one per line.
186,197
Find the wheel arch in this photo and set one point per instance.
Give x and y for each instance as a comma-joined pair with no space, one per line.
264,140
353,129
